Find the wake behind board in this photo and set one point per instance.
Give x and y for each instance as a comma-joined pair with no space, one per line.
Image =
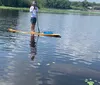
49,34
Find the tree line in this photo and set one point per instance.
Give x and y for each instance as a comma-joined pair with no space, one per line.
15,3
58,4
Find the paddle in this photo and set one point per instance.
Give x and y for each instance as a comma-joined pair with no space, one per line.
38,24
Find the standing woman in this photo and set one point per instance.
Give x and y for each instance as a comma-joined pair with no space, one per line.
33,10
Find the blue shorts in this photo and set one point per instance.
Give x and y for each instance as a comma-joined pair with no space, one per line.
33,20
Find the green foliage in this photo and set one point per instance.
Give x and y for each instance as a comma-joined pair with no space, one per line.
85,4
15,3
57,4
76,4
77,8
0,2
23,3
39,3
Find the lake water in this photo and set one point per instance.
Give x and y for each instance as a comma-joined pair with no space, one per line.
72,59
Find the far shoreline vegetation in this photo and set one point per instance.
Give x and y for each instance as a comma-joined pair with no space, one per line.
54,6
52,10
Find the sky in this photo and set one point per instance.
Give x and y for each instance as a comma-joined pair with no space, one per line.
98,1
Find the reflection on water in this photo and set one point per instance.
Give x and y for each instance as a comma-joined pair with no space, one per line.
33,47
31,60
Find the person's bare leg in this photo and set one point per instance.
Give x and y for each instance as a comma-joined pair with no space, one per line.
33,27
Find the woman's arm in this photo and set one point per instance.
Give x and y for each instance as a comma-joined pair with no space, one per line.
36,9
31,9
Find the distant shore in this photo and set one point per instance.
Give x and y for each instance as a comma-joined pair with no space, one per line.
14,8
58,11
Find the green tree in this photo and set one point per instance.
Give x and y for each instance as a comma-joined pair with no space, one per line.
85,4
0,3
76,4
60,4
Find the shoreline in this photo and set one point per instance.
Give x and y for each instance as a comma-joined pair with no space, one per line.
56,11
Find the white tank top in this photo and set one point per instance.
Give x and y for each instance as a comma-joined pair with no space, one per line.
33,11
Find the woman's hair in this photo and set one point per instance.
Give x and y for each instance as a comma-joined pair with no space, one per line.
34,2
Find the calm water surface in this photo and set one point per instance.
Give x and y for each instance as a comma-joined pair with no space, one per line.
32,60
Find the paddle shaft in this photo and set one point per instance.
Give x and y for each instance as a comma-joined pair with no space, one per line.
38,23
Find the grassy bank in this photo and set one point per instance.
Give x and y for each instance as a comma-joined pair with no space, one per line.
59,11
14,8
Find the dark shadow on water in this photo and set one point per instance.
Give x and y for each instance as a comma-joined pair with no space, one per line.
68,80
8,13
8,19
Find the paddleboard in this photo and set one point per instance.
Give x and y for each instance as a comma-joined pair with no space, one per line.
49,34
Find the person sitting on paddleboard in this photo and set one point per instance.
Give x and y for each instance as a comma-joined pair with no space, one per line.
33,10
